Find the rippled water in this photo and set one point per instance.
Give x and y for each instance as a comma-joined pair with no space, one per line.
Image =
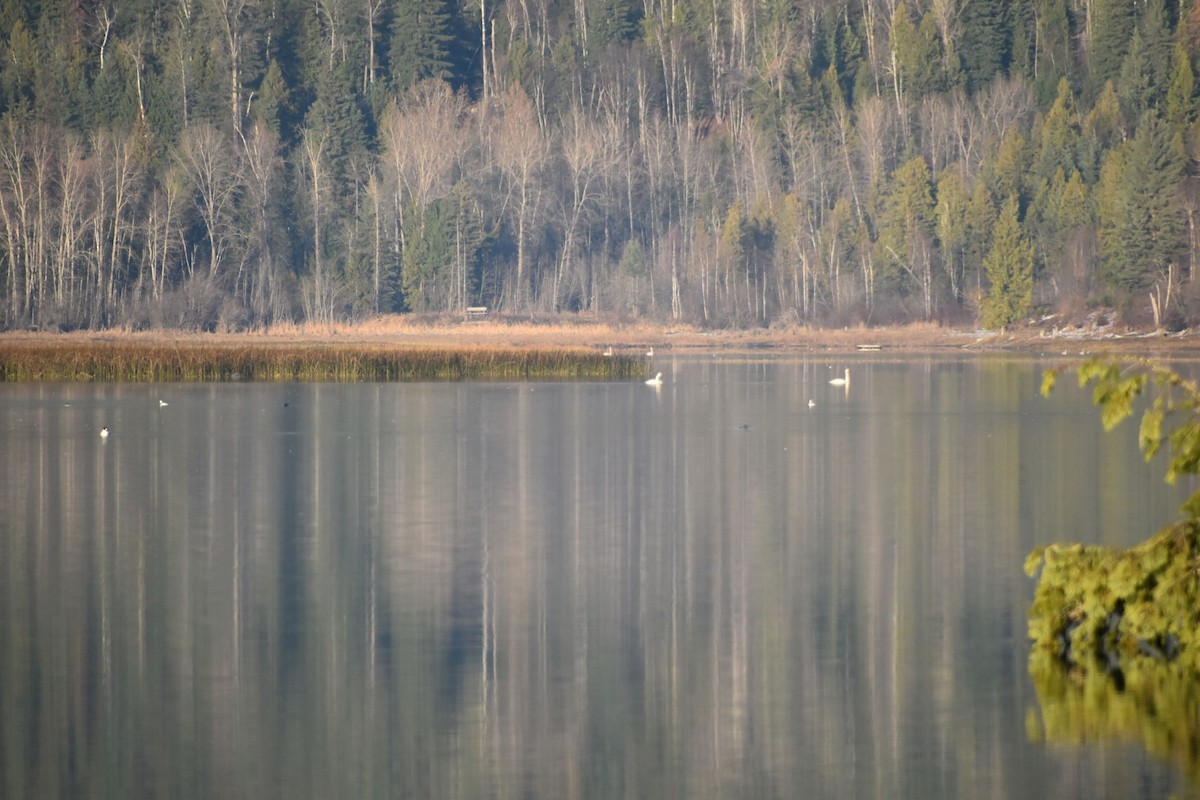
554,590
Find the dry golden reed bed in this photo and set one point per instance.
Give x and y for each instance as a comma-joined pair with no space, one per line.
637,336
129,359
590,332
406,347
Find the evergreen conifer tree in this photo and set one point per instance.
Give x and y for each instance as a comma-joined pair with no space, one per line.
1112,31
1180,103
1009,268
1135,86
612,21
420,42
981,222
951,217
1058,143
906,231
1141,226
986,41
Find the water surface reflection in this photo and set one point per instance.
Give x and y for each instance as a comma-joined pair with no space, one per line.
550,590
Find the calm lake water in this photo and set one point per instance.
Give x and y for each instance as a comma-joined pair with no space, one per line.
555,590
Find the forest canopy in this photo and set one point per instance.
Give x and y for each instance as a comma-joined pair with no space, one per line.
225,164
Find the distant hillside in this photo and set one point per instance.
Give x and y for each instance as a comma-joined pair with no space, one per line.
225,164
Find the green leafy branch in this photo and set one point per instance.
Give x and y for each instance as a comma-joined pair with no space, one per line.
1175,407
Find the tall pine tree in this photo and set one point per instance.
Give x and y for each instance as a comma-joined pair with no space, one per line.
1009,268
986,41
1112,31
1141,225
420,42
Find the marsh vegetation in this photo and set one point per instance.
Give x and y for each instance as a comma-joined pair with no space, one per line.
135,361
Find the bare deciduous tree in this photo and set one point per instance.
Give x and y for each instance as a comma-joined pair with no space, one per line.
588,156
163,224
116,176
519,151
15,209
263,165
215,168
73,209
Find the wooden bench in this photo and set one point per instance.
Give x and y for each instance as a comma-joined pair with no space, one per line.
475,313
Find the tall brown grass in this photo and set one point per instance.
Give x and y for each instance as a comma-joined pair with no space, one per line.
563,329
136,361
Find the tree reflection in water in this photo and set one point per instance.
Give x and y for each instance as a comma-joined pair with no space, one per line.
1157,707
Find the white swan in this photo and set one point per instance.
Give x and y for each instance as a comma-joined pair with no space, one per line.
162,403
842,381
655,381
650,352
812,403
608,351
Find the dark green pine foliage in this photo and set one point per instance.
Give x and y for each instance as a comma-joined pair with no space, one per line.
1058,148
14,11
208,75
18,77
919,55
851,60
1112,31
420,42
613,22
1158,41
64,68
1053,56
428,257
986,41
272,101
1147,225
1156,165
338,112
285,29
1009,268
1135,87
1180,102
1022,24
114,98
162,108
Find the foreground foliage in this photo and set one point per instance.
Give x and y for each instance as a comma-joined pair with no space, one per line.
1106,607
1116,632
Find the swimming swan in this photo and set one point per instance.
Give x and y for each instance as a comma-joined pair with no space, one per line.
842,381
655,381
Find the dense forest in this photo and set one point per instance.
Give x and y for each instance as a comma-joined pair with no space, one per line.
226,164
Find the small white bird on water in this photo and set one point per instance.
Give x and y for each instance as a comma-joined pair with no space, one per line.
812,403
104,432
842,381
650,352
162,403
655,381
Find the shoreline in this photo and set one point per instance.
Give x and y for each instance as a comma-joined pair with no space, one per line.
628,338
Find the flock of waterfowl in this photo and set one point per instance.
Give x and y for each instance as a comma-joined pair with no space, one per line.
104,432
656,382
